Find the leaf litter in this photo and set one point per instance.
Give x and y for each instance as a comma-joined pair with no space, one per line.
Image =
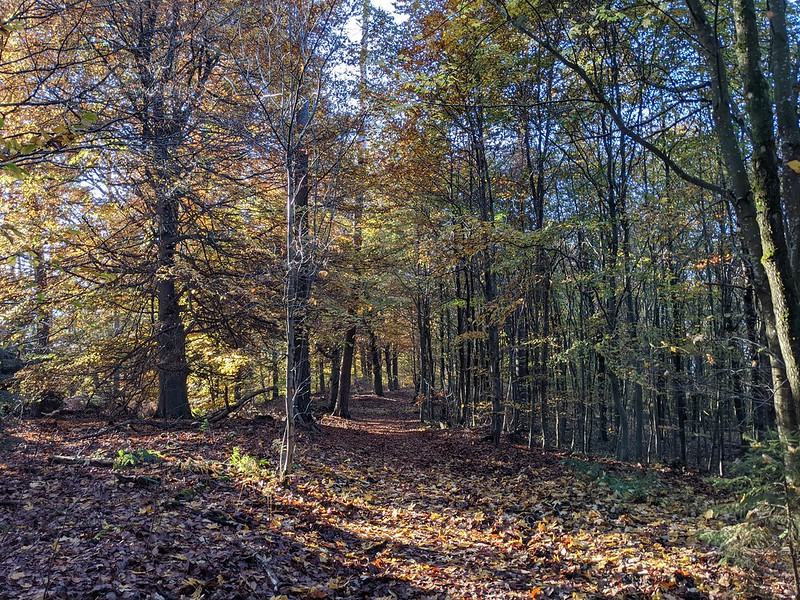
381,506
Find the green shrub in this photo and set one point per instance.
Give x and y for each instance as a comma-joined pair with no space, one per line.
247,465
758,507
126,459
629,487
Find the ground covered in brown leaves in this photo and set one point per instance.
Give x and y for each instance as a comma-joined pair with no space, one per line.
381,507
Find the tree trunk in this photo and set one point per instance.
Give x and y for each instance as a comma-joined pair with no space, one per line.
676,372
342,407
395,369
333,383
173,401
377,375
486,206
758,213
323,386
623,434
387,354
785,90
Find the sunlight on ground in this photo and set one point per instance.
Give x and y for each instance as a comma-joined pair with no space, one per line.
380,507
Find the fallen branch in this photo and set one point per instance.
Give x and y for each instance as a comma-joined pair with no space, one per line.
9,502
104,430
219,518
277,584
215,516
81,460
218,416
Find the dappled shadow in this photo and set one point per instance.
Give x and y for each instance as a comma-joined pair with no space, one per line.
380,506
76,532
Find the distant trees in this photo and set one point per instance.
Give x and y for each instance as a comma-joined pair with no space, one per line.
618,322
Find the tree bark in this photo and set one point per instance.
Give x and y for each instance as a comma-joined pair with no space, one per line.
333,384
342,407
784,85
387,355
395,369
173,371
377,375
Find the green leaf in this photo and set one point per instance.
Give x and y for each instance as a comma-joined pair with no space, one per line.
88,118
16,171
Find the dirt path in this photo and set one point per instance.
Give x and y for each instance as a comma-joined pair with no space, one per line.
381,507
443,513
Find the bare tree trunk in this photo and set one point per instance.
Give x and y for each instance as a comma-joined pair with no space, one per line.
321,374
387,354
173,401
785,89
342,407
376,365
333,387
395,369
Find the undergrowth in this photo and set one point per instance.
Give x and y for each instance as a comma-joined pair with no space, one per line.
630,488
126,459
759,508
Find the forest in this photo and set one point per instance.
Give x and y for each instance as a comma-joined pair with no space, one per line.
286,286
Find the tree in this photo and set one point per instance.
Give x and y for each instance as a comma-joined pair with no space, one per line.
284,56
758,204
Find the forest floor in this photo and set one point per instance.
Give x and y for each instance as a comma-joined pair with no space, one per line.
381,506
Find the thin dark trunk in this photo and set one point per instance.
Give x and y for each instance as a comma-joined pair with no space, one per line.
276,376
396,369
342,407
377,375
387,354
333,383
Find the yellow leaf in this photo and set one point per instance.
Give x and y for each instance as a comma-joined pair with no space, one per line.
335,583
709,514
794,165
17,576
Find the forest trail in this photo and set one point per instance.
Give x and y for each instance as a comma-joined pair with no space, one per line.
381,506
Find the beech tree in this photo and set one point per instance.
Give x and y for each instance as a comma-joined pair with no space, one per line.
758,199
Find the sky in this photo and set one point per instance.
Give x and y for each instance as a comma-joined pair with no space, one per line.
354,24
